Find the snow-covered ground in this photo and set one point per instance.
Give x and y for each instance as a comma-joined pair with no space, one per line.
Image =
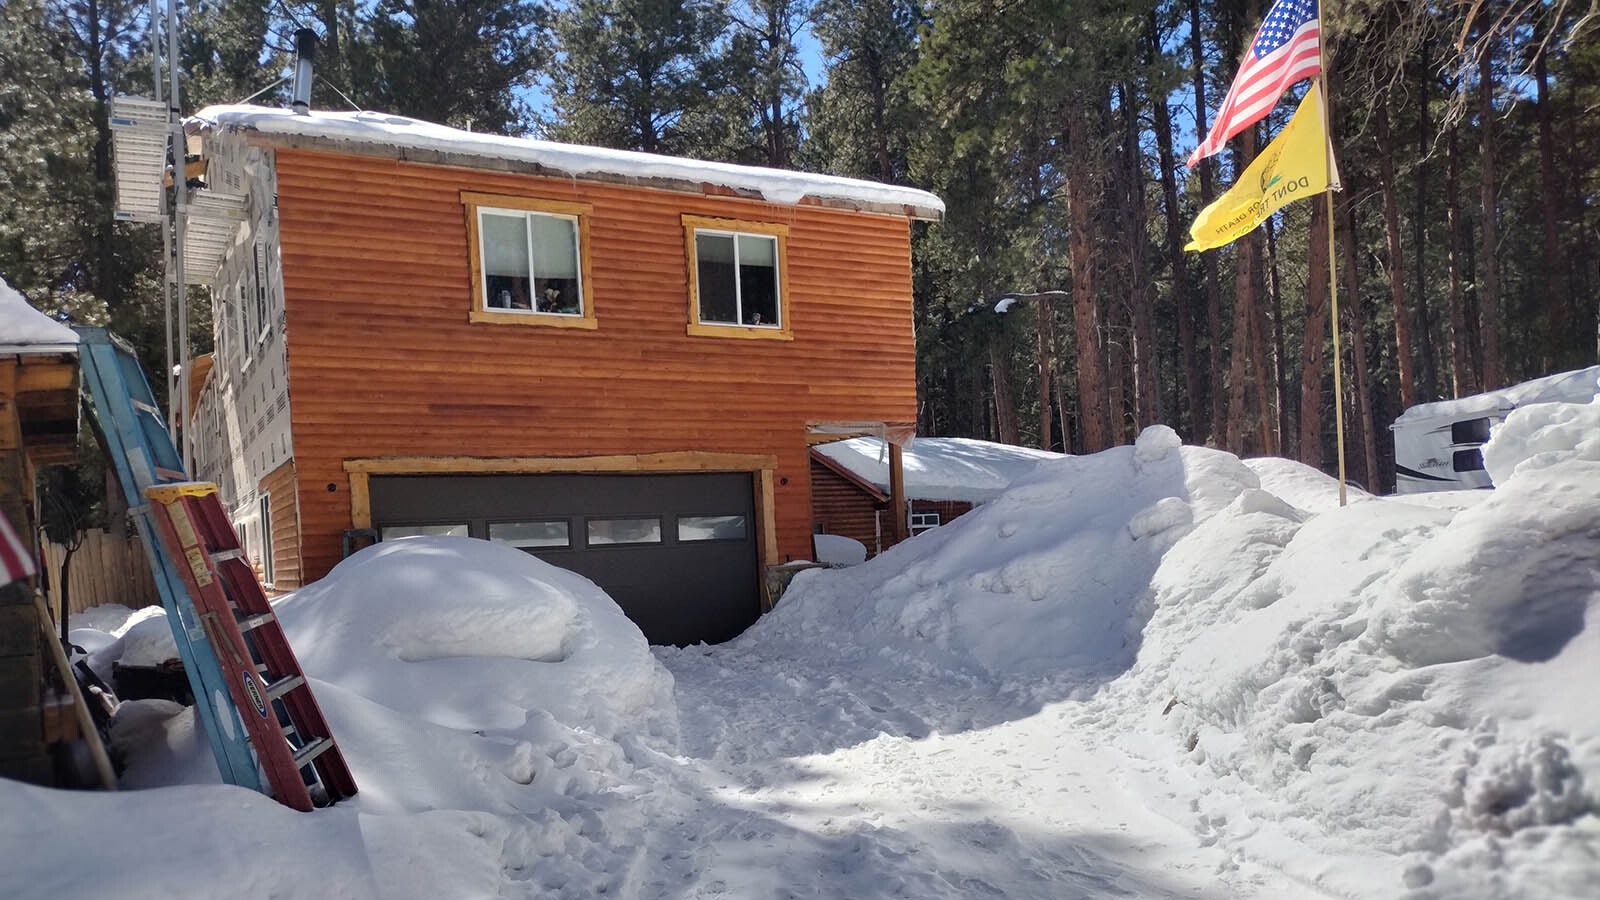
1158,671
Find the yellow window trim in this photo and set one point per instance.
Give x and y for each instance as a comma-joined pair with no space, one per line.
785,331
477,312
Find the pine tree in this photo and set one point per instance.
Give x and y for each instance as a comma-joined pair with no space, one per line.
633,74
457,62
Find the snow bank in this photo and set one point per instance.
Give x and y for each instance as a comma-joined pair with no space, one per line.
471,635
1543,435
1049,577
1378,698
1392,677
1579,386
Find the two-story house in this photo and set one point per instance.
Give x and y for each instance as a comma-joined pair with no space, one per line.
615,361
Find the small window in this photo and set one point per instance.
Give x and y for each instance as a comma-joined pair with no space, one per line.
922,521
624,531
262,299
711,528
1472,431
394,532
1469,460
737,278
530,261
531,535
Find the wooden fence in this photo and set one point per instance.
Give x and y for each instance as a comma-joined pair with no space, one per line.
107,568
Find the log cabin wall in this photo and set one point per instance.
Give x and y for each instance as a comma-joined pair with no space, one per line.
384,362
839,506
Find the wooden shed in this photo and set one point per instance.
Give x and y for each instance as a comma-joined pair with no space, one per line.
38,427
943,478
607,359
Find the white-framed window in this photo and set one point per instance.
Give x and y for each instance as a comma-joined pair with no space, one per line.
530,261
246,315
738,285
266,538
262,298
922,521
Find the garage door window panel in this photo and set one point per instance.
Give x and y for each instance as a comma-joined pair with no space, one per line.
451,529
712,528
553,534
608,532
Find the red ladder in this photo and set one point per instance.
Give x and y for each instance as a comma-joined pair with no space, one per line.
294,747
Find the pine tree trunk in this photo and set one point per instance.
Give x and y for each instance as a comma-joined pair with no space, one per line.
1241,369
1047,352
1429,385
1463,375
1313,340
1146,397
1554,266
1005,405
1358,353
1243,313
1280,420
1397,269
1182,298
1207,428
1082,200
1489,231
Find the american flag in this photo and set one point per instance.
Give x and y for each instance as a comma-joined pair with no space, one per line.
1286,50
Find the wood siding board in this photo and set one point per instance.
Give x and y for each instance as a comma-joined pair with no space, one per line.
396,276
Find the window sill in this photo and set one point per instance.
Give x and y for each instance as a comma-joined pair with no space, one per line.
745,332
548,320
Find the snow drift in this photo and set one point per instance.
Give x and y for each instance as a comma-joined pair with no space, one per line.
473,635
1396,682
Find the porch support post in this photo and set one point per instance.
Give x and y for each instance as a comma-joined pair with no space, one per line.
897,492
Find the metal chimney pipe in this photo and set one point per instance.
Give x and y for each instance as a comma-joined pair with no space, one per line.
305,49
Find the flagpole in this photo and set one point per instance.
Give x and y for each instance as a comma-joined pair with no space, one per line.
1333,263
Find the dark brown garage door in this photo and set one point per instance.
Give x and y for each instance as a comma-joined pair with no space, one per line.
677,552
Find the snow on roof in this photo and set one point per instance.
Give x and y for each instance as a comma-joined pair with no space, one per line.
350,130
1579,386
24,329
959,469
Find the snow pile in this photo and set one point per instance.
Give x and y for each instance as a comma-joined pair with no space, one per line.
960,469
1543,435
24,329
113,634
473,636
1578,386
1050,577
1374,698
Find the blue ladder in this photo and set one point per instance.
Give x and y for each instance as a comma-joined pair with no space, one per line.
135,437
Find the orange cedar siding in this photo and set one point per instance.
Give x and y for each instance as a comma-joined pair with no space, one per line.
282,486
383,361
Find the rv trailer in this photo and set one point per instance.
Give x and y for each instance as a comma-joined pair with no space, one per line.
1437,446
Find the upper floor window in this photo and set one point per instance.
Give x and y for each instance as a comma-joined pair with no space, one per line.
738,278
530,261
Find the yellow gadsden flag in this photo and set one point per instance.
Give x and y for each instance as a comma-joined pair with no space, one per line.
1296,165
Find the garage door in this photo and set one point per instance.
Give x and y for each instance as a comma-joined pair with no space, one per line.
677,552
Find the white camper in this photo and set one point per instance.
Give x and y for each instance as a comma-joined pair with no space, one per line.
1436,445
